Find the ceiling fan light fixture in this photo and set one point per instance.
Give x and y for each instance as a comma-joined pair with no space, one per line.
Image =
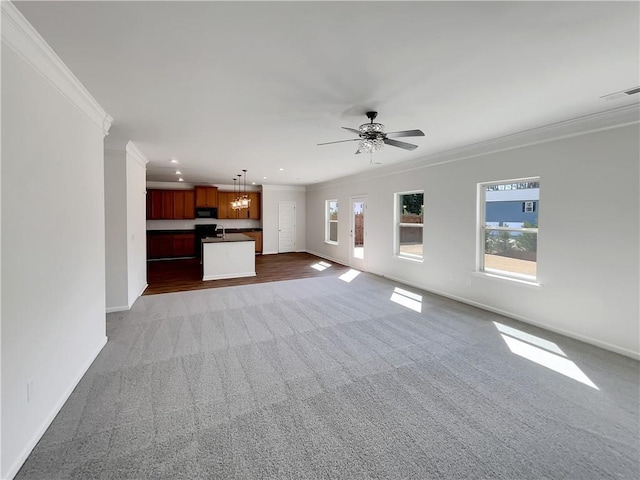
370,145
371,128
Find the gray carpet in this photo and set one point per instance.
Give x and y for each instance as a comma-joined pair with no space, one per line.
319,378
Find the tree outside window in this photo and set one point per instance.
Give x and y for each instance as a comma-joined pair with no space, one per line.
331,227
409,221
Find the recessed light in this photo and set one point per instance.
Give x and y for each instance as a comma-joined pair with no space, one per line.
281,169
180,179
253,183
173,160
178,172
264,178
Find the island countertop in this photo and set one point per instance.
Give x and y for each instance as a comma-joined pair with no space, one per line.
229,237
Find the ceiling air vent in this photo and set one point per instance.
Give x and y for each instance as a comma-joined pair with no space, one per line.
622,94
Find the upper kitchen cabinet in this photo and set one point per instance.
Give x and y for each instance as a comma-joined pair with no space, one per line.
154,204
224,205
206,196
170,204
183,204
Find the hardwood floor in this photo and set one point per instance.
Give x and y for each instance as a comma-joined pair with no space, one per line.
167,276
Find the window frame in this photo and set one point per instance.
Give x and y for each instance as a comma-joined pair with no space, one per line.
482,228
397,213
328,221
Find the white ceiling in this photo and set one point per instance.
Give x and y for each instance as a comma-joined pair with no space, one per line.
222,86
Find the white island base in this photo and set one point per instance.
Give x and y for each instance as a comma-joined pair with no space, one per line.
231,257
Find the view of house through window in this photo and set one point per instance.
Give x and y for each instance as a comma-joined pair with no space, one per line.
331,230
409,218
509,227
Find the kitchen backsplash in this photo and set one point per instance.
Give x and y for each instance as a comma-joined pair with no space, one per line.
188,224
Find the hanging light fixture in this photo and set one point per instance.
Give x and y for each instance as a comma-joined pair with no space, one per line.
242,200
234,202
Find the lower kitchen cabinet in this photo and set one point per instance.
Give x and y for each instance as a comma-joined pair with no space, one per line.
170,245
257,236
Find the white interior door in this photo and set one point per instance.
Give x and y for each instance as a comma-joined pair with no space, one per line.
358,233
286,227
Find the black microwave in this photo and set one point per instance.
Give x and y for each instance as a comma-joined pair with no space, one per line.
206,212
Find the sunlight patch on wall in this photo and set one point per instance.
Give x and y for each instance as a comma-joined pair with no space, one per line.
407,299
542,352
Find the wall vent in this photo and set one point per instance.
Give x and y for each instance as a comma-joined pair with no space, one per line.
621,94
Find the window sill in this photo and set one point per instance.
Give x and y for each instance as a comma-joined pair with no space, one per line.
507,278
330,243
411,259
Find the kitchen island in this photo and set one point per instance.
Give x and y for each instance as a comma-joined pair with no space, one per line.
231,256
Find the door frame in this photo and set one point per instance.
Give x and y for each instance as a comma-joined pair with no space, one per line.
355,262
292,203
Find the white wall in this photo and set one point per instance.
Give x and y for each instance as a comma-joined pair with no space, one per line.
125,207
588,240
115,195
53,237
136,214
271,196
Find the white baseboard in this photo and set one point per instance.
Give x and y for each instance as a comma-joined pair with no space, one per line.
229,275
24,454
326,257
269,253
121,308
124,308
567,333
137,296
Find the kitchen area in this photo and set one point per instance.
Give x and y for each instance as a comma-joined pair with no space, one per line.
202,230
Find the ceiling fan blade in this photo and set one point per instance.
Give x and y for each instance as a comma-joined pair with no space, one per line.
405,145
357,132
340,141
406,133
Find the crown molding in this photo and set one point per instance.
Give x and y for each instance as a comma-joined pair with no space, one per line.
607,120
290,188
19,35
136,154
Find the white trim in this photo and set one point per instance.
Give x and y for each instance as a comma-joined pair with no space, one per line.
24,454
567,333
497,275
326,257
269,253
607,120
122,308
136,154
26,42
228,275
290,188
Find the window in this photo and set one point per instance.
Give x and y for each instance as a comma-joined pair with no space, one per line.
331,223
409,218
508,228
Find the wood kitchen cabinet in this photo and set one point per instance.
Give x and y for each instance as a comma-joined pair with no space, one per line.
154,204
257,236
183,204
206,196
159,245
170,204
170,245
224,205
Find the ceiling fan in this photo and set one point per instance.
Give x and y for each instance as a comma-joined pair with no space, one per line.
372,136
